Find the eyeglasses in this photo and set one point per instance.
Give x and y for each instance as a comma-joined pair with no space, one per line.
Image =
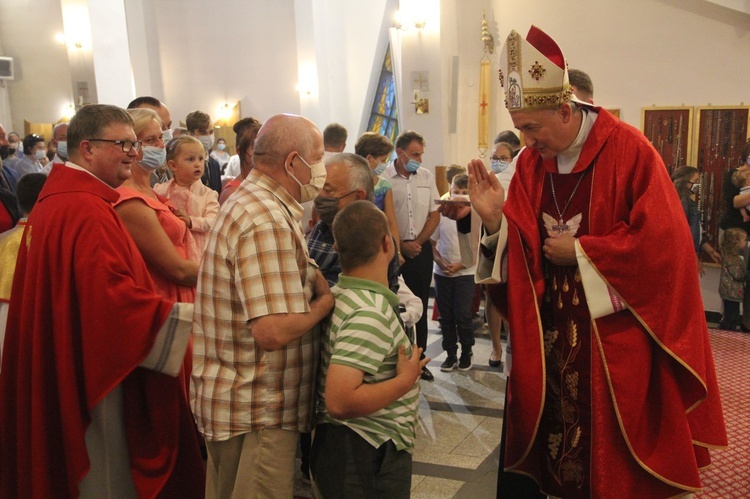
126,145
501,158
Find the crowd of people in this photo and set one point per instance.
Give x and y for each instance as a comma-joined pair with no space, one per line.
176,328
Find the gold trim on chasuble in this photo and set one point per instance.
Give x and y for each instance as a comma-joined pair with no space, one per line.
532,441
595,331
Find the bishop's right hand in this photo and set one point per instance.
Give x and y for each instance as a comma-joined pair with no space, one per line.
486,194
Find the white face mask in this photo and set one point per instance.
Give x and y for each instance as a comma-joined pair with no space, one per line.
39,154
207,141
308,192
166,136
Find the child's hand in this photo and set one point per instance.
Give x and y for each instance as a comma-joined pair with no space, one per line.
184,217
410,367
452,268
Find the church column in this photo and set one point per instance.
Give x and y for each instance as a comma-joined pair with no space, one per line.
96,37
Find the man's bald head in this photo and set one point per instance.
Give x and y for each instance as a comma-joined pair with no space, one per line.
286,133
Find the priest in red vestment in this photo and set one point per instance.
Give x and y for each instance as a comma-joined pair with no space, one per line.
612,391
89,402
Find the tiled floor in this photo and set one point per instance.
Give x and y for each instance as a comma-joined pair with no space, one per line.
458,433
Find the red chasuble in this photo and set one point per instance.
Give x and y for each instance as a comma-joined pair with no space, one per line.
627,404
83,316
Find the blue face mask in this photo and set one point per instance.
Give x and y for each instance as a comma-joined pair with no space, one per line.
411,166
380,168
499,166
62,149
39,154
153,158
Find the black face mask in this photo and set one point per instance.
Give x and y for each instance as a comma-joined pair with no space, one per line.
4,152
327,208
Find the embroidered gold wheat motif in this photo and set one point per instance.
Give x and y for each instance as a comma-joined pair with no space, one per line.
572,333
576,437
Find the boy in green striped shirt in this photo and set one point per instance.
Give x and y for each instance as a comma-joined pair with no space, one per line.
367,394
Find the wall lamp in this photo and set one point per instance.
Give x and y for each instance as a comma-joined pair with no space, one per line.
403,22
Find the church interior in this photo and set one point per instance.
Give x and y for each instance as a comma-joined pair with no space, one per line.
662,66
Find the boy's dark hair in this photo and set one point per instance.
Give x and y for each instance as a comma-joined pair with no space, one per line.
452,171
28,189
197,120
461,181
358,230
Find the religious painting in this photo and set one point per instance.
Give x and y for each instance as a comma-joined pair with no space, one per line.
720,135
669,129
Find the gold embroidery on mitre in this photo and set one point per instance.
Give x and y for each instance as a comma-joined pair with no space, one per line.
537,71
513,42
539,98
514,96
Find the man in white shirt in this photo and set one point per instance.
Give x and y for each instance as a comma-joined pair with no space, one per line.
414,190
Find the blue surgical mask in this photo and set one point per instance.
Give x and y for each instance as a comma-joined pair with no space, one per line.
221,147
499,166
62,149
411,166
379,169
166,135
39,154
153,158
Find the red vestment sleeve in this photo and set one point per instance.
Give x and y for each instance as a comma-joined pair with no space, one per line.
83,316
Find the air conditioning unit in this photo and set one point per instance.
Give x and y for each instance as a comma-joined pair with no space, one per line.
6,68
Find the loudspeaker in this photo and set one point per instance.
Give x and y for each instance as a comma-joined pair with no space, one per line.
6,68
